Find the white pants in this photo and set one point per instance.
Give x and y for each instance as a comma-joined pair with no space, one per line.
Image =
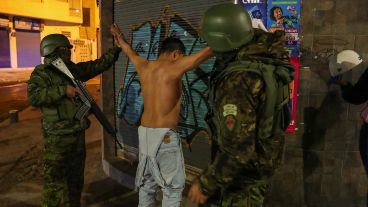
161,164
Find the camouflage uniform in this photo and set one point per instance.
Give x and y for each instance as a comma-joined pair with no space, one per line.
243,162
64,136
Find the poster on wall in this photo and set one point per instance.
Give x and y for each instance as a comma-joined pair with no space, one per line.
285,15
295,61
273,15
257,10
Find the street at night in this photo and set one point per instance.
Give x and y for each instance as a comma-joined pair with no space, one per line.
13,97
201,103
21,156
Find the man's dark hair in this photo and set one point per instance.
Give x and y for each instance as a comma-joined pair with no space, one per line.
272,11
171,44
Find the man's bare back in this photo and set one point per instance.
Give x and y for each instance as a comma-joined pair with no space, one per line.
161,94
161,80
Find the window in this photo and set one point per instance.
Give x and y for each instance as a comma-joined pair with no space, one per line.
86,17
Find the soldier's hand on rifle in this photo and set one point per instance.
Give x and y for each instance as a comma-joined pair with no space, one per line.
71,91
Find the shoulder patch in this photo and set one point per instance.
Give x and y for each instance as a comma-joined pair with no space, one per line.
230,122
230,109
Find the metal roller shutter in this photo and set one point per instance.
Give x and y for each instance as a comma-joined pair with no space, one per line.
28,48
4,42
146,23
4,48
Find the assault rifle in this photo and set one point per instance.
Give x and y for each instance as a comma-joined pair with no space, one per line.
90,104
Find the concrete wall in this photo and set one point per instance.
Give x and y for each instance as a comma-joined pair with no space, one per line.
322,166
74,31
13,47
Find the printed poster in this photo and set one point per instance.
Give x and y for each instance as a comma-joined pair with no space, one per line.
285,15
257,10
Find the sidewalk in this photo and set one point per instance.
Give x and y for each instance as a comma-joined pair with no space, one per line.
9,76
21,166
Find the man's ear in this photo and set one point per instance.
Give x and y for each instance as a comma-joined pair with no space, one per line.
176,54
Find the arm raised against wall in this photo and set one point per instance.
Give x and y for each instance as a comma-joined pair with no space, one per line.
193,61
138,61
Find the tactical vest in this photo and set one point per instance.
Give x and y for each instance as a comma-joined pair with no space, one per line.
58,118
274,115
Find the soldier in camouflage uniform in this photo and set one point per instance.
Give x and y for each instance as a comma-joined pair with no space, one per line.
64,136
248,108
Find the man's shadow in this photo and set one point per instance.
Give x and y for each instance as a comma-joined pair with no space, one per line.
317,120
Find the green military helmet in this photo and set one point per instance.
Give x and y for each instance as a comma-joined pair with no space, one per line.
226,27
51,42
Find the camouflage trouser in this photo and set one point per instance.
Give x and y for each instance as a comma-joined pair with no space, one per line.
243,193
64,157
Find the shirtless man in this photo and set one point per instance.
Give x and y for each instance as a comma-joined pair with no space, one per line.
161,161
